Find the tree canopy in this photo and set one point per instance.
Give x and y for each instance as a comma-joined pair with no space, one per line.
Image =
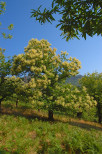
77,17
93,83
10,86
5,66
73,98
46,70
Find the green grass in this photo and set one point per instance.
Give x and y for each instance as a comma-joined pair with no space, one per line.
20,135
27,131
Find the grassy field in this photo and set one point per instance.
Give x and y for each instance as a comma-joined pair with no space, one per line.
28,131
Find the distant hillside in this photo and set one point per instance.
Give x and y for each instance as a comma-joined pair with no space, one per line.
74,80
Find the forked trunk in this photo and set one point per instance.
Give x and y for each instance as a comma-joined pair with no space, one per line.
50,115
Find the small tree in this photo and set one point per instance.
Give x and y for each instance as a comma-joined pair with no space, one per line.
93,83
46,69
7,84
4,71
9,87
70,97
10,27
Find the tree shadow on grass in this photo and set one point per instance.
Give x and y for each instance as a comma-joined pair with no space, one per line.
39,116
85,125
22,113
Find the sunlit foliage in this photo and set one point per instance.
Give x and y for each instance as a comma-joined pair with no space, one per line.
77,17
47,70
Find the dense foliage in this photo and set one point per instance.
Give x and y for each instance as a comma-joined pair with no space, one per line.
74,99
5,66
93,83
8,84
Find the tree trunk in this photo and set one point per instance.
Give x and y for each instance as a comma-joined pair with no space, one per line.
0,104
17,102
79,114
50,115
100,119
2,79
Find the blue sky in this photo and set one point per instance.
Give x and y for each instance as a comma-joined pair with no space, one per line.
18,12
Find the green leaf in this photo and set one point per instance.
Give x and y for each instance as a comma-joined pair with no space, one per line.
10,27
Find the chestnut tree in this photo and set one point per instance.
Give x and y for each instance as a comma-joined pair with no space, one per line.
46,69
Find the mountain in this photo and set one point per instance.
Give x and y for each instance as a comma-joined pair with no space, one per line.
74,80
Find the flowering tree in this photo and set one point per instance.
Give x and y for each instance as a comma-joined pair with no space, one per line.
46,70
9,88
8,85
93,83
73,98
